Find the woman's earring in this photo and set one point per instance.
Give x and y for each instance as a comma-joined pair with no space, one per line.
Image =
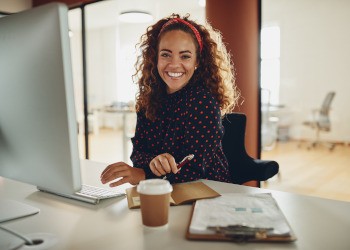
195,68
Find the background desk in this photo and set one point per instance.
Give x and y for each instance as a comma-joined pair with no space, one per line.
318,223
128,124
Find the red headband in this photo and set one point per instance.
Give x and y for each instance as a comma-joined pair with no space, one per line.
195,31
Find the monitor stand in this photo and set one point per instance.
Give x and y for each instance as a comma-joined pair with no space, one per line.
10,210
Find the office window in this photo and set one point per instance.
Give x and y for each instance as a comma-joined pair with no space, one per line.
270,64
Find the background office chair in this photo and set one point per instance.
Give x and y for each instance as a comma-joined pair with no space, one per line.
320,122
243,168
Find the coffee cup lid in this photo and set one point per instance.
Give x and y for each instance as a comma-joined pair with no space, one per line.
154,186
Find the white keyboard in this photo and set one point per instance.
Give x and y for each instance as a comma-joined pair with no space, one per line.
98,193
90,194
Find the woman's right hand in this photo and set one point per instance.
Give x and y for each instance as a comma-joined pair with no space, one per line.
163,164
121,173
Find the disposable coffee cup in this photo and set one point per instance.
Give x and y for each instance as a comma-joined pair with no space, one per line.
154,200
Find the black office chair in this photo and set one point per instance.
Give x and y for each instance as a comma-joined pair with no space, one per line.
320,122
243,168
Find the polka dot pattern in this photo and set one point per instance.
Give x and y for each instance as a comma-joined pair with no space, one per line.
189,123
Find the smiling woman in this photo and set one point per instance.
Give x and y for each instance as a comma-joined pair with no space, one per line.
186,85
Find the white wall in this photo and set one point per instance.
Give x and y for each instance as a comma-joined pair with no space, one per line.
12,6
101,66
315,55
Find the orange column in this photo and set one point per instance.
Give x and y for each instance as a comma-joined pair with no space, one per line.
239,23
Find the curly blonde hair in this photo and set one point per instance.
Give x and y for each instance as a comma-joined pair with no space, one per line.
215,70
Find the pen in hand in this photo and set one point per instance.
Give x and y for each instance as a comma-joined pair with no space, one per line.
182,163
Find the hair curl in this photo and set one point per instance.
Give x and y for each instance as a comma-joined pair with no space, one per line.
215,70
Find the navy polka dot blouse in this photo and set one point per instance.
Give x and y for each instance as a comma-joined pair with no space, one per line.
189,123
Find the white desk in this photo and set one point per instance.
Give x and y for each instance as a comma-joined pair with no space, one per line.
317,223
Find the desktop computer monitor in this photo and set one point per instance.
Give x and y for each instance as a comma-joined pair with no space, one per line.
38,128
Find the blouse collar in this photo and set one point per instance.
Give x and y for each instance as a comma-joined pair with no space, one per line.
178,94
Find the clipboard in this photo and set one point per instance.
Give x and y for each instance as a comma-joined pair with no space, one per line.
239,232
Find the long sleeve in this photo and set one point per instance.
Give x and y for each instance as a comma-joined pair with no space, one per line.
141,156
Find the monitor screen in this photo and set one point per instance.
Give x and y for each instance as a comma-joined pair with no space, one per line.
38,128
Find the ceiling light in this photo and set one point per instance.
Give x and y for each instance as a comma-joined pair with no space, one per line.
135,17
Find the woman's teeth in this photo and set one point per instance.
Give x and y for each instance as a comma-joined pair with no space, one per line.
174,74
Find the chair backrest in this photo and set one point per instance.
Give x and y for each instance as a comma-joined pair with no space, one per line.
326,105
323,121
242,167
233,142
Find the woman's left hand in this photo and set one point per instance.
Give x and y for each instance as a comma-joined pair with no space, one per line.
163,164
